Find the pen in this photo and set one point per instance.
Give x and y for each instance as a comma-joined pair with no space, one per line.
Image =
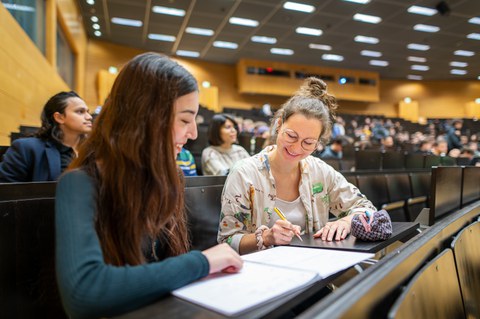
282,217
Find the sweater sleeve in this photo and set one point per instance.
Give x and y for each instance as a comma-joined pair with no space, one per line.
88,286
15,165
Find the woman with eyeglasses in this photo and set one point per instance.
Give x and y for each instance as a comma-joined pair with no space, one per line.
285,176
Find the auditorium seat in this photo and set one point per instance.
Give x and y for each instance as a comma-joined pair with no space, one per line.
398,187
432,160
352,179
335,163
374,187
433,292
466,250
413,160
368,160
393,160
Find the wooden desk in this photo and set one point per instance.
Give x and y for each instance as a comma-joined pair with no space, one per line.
400,231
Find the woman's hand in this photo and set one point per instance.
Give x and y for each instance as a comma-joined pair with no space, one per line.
281,233
337,230
223,258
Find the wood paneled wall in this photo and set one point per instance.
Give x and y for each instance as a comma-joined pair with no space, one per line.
27,78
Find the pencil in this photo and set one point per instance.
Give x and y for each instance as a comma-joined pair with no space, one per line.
282,217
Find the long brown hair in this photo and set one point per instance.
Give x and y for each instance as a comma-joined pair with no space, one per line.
130,154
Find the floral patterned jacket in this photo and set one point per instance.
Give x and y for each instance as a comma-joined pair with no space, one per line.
248,197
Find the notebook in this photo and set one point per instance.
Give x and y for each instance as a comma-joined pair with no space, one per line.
259,280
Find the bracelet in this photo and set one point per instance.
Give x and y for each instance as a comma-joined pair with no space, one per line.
258,235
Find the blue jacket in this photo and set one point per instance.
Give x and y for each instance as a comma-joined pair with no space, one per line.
31,160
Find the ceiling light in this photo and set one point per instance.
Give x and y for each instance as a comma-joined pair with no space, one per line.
475,20
407,100
192,54
263,39
128,22
281,51
374,54
367,18
161,37
242,21
90,2
418,67
420,47
96,26
477,100
378,63
458,72
458,64
364,39
168,11
97,33
358,1
320,47
474,36
298,7
309,31
426,28
416,59
332,57
422,10
464,53
225,45
94,19
414,77
199,31
18,7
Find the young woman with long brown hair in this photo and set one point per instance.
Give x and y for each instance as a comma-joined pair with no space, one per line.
121,233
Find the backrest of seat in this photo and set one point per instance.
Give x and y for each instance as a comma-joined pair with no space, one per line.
393,160
335,163
398,186
413,160
203,206
16,191
368,160
420,183
374,187
29,227
432,160
433,292
471,185
466,250
351,178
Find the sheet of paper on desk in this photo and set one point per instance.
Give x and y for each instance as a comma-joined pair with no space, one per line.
256,283
323,261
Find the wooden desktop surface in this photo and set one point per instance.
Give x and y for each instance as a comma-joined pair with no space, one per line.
173,307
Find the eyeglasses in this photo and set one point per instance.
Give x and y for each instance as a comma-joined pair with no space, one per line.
291,137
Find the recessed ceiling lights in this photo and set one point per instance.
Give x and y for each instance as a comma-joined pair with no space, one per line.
97,33
127,22
474,36
477,100
199,31
96,26
225,45
417,59
458,64
263,39
414,77
18,7
168,11
378,63
94,19
161,37
192,54
419,47
364,39
458,72
367,18
358,1
475,20
244,22
374,54
281,51
309,31
320,47
298,7
464,53
332,57
90,2
426,28
422,10
418,67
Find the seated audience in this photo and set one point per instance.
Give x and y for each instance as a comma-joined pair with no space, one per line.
121,231
425,147
286,176
65,121
186,162
219,157
334,150
440,147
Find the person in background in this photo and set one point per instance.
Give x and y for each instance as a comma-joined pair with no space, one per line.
440,147
286,176
424,147
334,150
219,157
453,135
186,162
121,231
65,122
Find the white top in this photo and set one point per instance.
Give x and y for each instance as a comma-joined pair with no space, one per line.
294,211
218,161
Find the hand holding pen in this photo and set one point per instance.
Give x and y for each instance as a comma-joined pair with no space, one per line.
293,228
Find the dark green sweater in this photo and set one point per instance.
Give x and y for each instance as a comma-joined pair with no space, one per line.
90,288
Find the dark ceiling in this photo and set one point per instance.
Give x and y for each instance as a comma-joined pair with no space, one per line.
333,17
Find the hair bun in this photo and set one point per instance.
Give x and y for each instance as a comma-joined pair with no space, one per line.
313,87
